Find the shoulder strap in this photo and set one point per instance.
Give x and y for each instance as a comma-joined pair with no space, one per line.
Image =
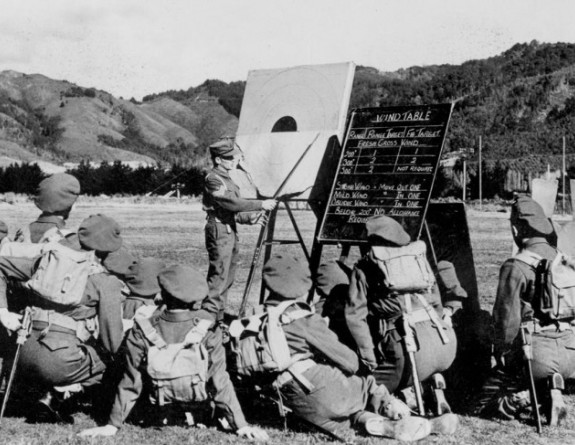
151,333
305,310
528,257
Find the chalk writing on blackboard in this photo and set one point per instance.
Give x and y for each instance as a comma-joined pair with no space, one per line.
387,166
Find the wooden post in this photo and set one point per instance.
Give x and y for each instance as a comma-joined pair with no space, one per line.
480,179
563,177
464,182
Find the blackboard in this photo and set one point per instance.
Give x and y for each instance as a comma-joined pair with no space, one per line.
387,167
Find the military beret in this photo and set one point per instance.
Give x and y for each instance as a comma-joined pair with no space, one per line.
448,278
3,230
57,193
100,233
142,277
120,261
329,275
527,211
224,147
286,277
183,283
388,229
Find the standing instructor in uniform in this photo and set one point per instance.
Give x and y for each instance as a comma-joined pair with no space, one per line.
223,203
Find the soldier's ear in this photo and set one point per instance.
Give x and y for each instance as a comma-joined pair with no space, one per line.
217,160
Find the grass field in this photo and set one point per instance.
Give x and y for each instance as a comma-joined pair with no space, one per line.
174,233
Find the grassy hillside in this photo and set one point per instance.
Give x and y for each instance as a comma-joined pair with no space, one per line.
522,102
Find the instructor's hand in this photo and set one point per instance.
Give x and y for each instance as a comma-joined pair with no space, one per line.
269,204
10,320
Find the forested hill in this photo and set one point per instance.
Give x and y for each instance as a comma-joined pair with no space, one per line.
521,102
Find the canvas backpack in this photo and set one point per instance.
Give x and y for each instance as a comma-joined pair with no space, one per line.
178,372
62,274
405,269
554,283
259,344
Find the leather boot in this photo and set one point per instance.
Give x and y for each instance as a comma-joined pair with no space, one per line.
557,407
48,410
409,429
438,386
446,424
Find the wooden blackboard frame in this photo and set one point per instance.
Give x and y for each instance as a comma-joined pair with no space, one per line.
394,134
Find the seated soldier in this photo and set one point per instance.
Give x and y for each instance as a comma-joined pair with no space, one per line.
382,295
183,321
69,344
519,305
334,399
55,197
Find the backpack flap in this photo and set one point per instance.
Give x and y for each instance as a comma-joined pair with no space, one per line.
561,286
62,274
404,268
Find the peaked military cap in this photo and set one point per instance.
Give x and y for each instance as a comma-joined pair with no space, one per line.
224,147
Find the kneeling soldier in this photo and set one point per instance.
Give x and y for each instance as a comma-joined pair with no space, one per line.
71,341
529,327
182,325
320,387
394,313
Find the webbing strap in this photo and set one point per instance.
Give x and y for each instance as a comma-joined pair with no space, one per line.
434,318
151,333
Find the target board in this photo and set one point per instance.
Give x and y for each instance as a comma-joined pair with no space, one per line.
283,112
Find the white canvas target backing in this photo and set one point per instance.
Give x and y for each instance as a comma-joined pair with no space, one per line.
283,111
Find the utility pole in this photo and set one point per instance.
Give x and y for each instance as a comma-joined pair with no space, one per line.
464,177
480,179
563,177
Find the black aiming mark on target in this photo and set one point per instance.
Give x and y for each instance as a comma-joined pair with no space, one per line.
285,124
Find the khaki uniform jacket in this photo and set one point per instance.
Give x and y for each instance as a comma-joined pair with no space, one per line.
224,201
515,292
41,226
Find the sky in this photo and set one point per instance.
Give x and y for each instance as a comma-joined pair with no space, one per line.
131,48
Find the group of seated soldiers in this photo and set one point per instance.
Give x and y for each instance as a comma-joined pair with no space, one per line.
354,366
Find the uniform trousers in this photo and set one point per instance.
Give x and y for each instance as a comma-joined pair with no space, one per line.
432,355
222,243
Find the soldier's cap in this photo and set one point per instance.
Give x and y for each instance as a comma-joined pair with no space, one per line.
286,277
57,193
100,233
120,261
224,148
386,229
142,277
448,278
183,283
330,275
3,230
527,211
